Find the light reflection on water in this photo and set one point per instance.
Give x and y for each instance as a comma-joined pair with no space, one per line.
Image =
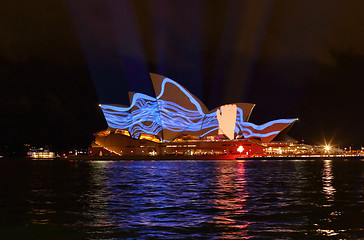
305,199
329,192
231,196
327,179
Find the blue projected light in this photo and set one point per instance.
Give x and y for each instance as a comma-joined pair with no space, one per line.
192,99
152,115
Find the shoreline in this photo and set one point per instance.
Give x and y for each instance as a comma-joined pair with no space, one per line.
200,157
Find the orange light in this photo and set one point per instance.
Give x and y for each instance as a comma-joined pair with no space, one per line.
240,149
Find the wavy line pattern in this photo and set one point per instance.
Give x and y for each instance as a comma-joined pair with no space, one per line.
152,115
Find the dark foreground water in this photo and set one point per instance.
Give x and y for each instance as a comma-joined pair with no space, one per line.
312,199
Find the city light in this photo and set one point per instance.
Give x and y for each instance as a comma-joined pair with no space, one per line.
327,148
240,149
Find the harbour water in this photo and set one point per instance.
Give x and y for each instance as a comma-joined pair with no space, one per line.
251,199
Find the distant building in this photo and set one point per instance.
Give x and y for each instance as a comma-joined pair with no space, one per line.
40,153
176,122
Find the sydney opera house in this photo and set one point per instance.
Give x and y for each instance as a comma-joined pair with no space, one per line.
175,122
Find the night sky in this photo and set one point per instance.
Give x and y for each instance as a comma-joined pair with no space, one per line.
60,59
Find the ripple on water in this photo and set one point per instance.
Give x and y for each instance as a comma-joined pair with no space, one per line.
184,199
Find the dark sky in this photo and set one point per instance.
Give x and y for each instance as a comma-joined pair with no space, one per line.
60,59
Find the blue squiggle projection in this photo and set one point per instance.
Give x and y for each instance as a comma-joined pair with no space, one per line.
151,115
265,125
116,117
145,117
168,114
192,99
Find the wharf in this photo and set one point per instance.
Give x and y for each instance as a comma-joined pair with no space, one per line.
205,157
300,157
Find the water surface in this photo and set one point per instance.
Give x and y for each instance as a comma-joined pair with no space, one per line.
254,199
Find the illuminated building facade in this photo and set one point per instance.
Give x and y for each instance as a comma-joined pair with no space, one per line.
41,154
177,122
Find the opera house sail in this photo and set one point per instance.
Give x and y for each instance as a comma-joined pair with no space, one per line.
177,122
